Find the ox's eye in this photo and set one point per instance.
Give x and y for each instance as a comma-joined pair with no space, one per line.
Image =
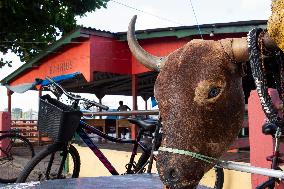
209,91
214,91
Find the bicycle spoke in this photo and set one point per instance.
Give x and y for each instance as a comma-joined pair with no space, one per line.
63,159
4,151
8,148
49,166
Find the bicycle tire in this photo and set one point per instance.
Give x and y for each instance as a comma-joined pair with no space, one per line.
40,159
14,157
219,178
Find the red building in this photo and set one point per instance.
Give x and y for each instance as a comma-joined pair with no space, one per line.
106,64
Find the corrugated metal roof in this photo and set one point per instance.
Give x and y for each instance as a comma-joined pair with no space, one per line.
185,31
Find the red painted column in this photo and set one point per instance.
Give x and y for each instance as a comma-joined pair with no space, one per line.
261,145
134,96
38,133
9,94
39,92
146,105
100,101
145,98
5,125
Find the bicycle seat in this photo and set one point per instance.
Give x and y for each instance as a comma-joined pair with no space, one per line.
146,126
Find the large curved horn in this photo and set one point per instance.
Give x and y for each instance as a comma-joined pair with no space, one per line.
150,61
240,47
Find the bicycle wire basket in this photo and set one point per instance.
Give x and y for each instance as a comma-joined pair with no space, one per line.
57,120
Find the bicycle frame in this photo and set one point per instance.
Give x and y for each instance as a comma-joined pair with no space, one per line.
8,147
88,141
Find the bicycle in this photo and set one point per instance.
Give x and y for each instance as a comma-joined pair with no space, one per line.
15,151
61,159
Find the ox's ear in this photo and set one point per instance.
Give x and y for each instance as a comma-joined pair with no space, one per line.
233,65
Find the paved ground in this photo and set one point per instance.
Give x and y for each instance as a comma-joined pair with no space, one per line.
118,154
11,167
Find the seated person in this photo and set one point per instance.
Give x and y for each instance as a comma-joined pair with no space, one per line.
123,107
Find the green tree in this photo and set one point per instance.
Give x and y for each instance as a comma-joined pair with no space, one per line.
28,26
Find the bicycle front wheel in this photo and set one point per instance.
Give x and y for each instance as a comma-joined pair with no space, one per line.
214,178
15,152
57,161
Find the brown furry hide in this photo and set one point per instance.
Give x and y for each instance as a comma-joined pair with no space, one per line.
275,24
193,119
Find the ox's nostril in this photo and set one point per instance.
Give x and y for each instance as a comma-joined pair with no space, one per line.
172,174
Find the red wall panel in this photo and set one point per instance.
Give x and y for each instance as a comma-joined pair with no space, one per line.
158,47
72,58
110,55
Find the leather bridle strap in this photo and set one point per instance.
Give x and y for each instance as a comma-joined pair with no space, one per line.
259,76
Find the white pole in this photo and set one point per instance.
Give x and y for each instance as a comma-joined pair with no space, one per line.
251,169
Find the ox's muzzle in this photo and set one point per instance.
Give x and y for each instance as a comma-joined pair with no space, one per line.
174,170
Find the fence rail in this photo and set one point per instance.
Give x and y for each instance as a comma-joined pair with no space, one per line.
123,113
28,128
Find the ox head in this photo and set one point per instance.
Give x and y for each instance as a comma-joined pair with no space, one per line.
200,98
201,102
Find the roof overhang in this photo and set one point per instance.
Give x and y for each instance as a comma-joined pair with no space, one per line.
77,35
206,29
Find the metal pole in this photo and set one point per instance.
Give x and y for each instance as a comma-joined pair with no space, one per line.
252,169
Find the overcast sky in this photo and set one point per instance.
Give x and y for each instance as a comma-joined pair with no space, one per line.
151,14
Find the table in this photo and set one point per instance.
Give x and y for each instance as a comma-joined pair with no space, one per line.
120,124
102,123
138,181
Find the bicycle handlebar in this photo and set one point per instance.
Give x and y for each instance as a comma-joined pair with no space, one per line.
76,97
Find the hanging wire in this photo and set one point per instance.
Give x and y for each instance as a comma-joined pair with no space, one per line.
196,19
151,14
